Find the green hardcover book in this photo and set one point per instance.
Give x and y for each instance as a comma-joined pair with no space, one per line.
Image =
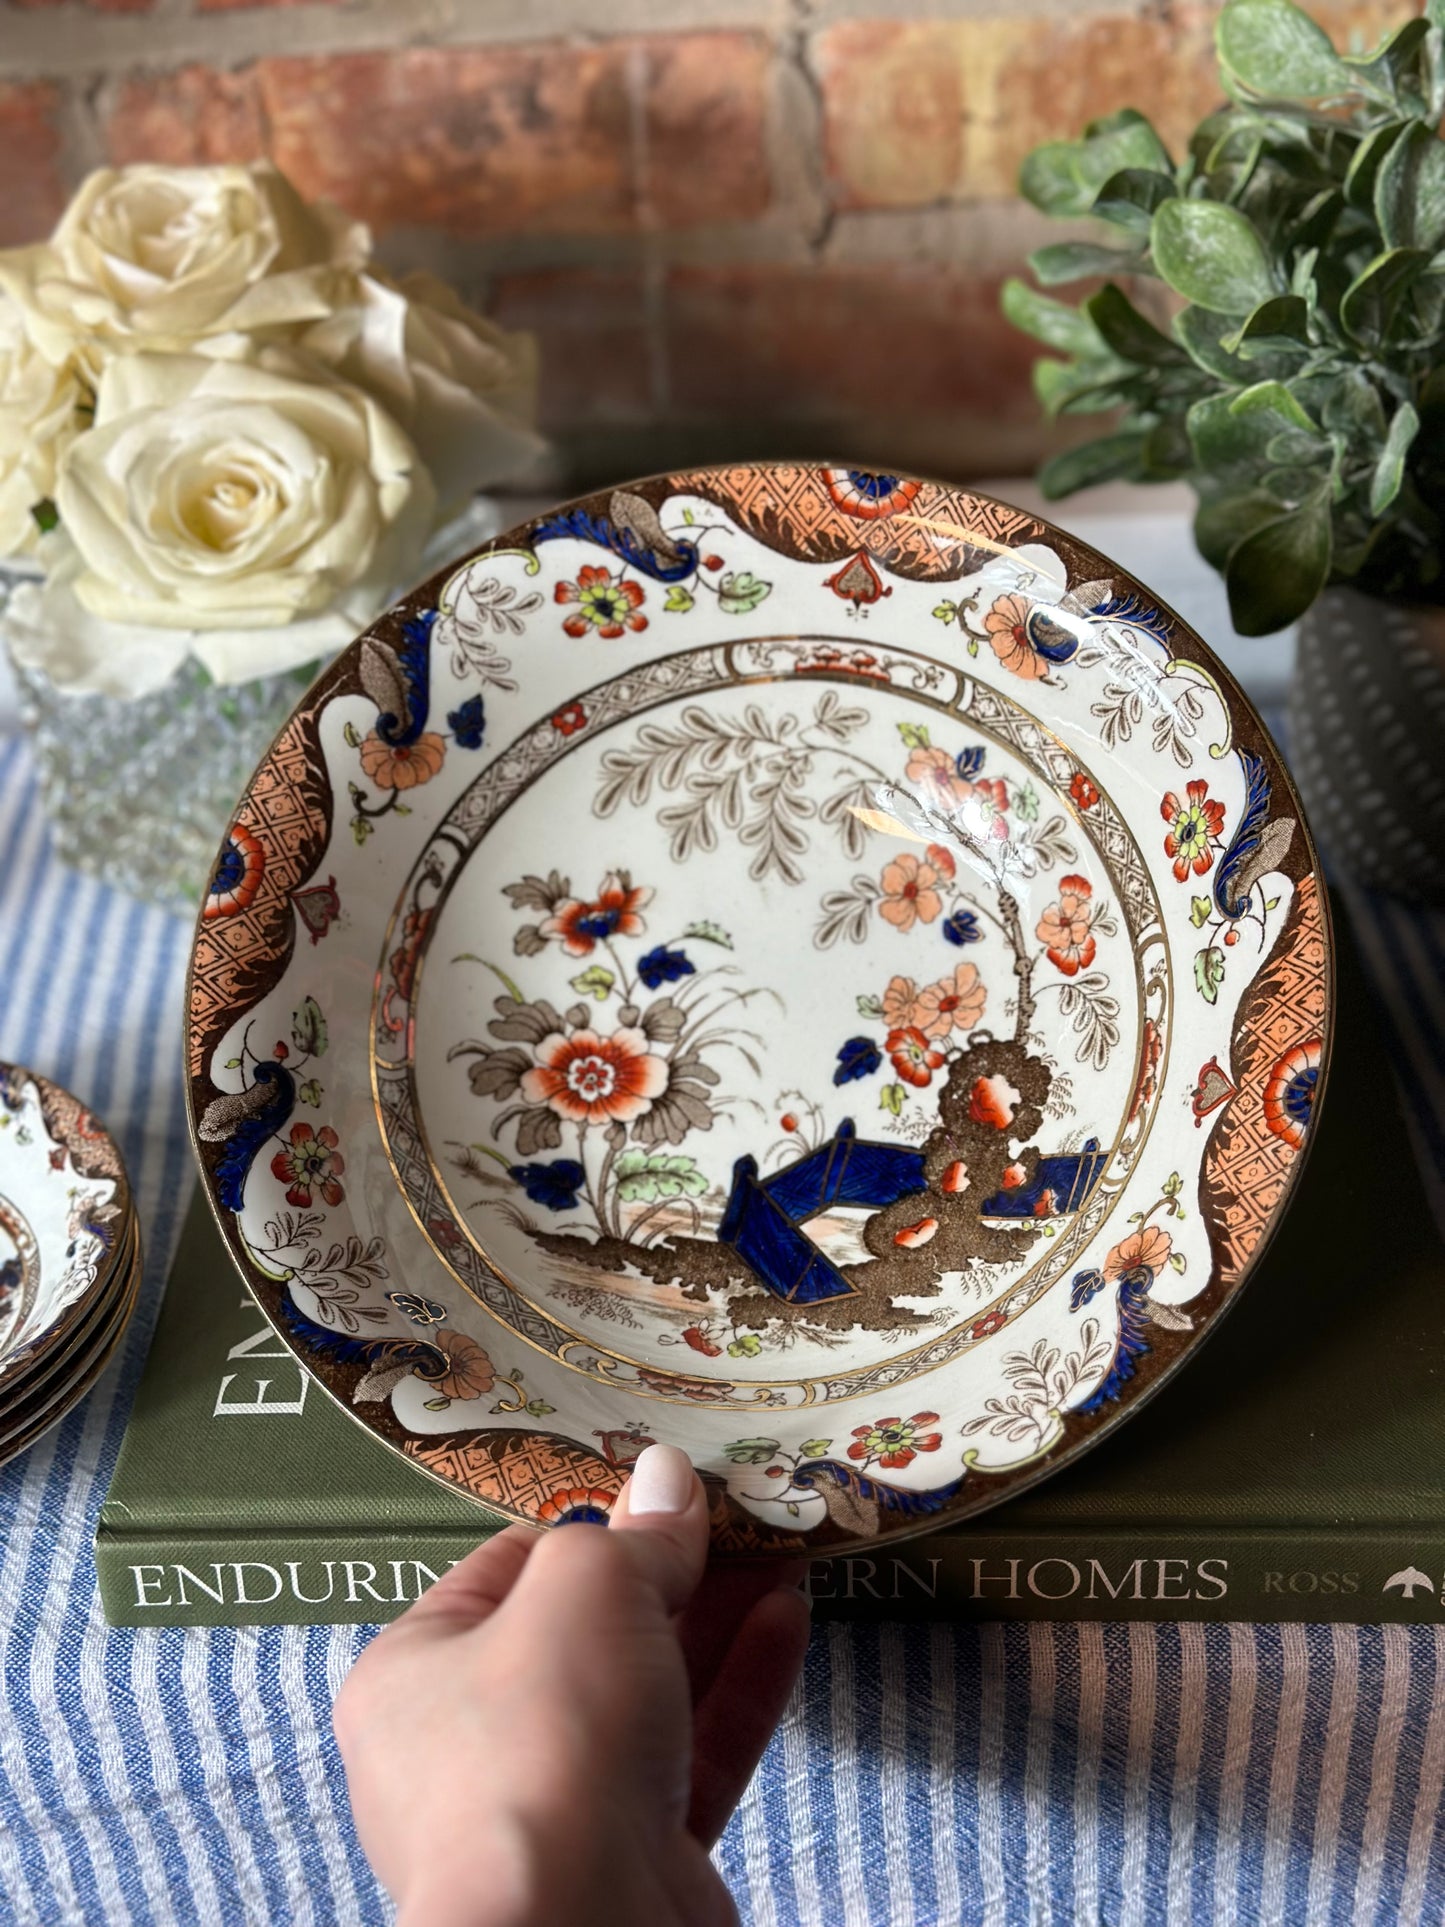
1294,1470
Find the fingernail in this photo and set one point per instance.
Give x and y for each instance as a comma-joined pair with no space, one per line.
662,1481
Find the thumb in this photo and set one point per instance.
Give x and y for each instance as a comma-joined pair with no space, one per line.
638,1573
663,1512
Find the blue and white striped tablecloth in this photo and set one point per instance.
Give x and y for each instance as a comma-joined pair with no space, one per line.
1119,1774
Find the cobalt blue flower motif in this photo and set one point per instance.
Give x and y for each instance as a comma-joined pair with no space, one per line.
1084,1287
554,1185
468,722
961,928
663,966
969,762
859,1057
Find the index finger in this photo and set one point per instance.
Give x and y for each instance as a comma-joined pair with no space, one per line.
472,1590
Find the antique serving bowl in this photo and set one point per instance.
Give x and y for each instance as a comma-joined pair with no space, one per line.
810,965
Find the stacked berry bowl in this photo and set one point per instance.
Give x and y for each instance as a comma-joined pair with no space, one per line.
70,1255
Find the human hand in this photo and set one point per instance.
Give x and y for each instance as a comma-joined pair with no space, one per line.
556,1733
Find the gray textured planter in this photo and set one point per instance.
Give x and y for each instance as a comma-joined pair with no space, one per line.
1367,739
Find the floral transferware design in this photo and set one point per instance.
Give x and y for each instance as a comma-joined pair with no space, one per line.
310,1162
678,1158
627,1108
1289,1096
609,604
1195,830
237,875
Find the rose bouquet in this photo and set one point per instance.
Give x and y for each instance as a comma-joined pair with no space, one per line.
226,439
225,433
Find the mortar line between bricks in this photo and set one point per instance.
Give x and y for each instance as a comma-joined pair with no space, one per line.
793,53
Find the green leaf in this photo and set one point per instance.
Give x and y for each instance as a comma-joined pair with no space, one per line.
1203,334
1211,254
352,735
707,932
1372,301
1363,170
361,828
814,1448
538,1407
1176,1260
688,517
645,1176
914,735
1072,260
1410,191
740,591
596,981
1273,48
1280,324
1026,804
1200,911
310,1093
1127,332
1081,387
45,515
868,1006
1225,520
1232,445
891,1097
679,599
1273,397
1274,574
435,1404
1104,460
1166,453
233,1063
751,1451
1054,323
1209,973
1128,199
1353,407
945,612
748,1346
1063,178
308,1029
1390,469
1400,64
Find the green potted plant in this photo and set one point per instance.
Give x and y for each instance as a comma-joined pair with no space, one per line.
1291,367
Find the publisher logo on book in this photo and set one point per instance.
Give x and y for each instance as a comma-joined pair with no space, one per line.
1409,1582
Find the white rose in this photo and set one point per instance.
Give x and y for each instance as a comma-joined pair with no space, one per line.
161,257
462,388
252,513
39,418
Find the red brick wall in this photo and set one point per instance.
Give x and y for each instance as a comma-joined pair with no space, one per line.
737,226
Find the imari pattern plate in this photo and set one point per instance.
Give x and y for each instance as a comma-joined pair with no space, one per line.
69,1254
810,965
67,1225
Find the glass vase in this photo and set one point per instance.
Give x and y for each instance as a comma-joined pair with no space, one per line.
139,789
